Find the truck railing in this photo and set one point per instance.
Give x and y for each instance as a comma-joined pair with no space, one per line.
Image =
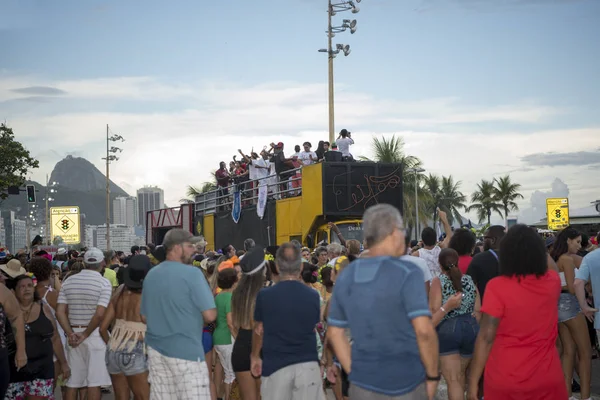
221,198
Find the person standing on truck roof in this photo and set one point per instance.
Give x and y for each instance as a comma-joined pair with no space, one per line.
223,178
308,157
282,165
343,142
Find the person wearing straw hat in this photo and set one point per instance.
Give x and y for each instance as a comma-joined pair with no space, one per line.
13,268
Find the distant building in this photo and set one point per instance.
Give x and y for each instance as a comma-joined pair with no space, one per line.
149,198
2,233
90,236
15,231
125,211
121,237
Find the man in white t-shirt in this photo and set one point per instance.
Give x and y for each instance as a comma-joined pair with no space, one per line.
343,142
307,157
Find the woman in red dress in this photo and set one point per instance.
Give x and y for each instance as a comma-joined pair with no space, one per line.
517,337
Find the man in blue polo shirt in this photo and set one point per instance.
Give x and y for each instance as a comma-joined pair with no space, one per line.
382,301
177,302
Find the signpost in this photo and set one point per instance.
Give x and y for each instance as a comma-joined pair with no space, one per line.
64,222
557,211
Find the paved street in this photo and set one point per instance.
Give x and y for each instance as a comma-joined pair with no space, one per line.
442,391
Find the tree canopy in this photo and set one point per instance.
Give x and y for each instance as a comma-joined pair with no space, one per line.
15,162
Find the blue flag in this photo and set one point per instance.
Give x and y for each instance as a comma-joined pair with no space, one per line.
236,211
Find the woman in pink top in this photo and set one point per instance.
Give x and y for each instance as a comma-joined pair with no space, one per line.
463,241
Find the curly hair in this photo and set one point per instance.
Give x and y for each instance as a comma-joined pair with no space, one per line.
522,253
463,241
41,268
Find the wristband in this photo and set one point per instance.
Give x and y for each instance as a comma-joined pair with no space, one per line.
443,309
434,378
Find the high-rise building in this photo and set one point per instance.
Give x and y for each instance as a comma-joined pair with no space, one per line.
90,236
125,211
121,237
2,233
15,232
149,198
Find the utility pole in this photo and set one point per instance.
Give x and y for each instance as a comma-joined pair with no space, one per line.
47,232
107,193
333,7
330,57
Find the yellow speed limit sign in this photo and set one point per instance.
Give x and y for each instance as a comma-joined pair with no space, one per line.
558,213
64,222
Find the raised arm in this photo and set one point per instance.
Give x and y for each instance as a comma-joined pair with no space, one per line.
447,229
335,229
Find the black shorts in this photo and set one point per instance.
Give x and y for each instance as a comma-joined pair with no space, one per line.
242,348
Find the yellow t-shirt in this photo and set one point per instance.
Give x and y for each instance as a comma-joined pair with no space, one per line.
111,275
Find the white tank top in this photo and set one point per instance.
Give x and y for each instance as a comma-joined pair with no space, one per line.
563,280
61,332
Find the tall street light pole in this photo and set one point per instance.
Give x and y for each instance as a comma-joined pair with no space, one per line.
330,57
333,7
416,171
49,189
110,157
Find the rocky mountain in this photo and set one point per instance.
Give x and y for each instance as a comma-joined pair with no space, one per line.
80,184
76,173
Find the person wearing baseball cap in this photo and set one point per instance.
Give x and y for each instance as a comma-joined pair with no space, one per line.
177,302
82,302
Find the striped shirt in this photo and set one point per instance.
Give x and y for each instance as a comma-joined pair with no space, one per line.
83,293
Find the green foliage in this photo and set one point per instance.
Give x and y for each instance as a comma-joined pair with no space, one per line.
15,162
506,193
445,193
484,201
392,151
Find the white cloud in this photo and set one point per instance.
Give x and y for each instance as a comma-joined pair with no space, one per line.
173,149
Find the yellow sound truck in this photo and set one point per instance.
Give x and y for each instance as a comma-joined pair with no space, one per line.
328,192
337,192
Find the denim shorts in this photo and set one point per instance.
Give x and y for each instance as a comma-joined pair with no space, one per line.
568,307
207,341
125,362
457,335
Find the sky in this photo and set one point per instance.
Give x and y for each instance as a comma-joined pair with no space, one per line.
476,88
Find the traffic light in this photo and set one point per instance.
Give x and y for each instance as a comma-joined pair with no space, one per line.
30,194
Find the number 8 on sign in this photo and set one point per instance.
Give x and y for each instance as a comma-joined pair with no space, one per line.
557,213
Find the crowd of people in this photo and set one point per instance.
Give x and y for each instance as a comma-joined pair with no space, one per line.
271,168
384,319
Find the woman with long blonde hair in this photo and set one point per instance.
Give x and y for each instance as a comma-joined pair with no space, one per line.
243,301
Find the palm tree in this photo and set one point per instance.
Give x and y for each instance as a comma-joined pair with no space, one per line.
507,193
452,199
193,191
484,200
433,187
392,151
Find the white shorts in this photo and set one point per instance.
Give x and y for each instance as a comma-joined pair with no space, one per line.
88,367
177,379
224,352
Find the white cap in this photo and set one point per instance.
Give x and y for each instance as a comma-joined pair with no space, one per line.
93,256
61,251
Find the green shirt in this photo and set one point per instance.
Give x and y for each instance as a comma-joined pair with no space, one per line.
111,275
221,334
